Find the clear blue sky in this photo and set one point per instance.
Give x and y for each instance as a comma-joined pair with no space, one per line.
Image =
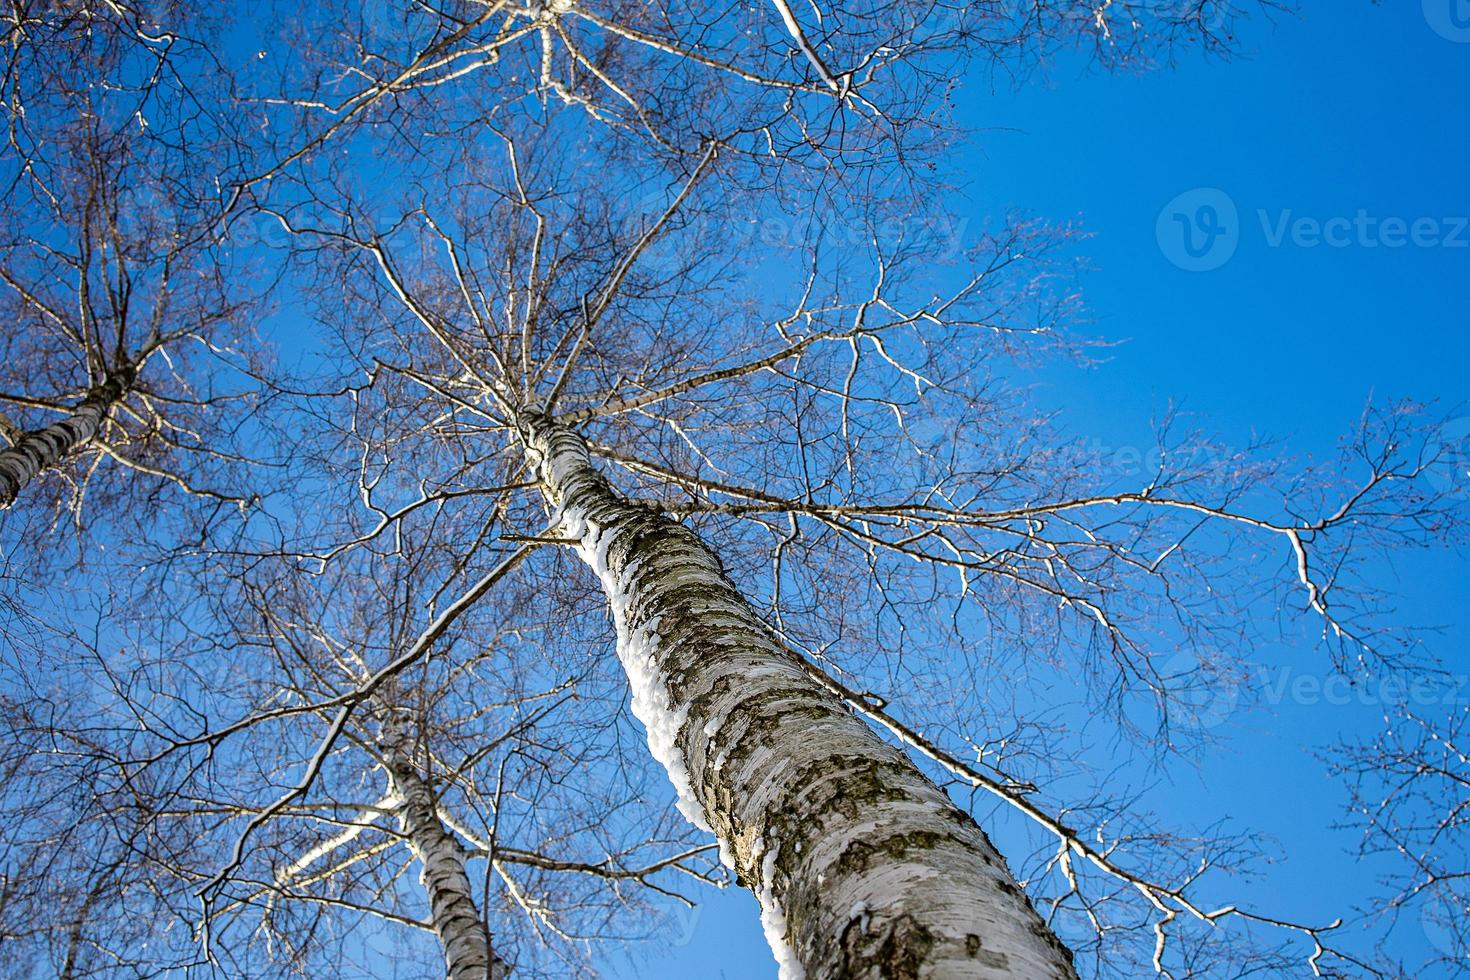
1348,111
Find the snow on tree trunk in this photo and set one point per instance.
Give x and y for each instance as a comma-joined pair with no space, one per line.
463,934
863,867
38,451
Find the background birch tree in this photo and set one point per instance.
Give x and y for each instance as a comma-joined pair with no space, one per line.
130,410
469,738
131,347
89,845
125,795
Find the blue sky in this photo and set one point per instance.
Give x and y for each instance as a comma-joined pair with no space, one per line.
1336,123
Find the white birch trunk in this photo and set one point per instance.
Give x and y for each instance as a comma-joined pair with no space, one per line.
36,452
863,867
463,934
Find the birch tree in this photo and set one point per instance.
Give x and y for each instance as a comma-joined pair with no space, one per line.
470,741
124,351
129,344
85,889
799,82
846,453
439,812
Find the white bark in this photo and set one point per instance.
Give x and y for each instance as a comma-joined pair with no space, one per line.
36,452
463,934
863,867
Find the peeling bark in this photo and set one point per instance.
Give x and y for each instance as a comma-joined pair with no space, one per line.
463,934
36,452
863,867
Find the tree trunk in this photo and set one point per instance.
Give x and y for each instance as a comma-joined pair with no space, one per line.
463,934
863,867
38,451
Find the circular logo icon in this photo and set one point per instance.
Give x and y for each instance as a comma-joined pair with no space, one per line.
928,428
145,214
1198,692
257,229
394,24
1451,470
1212,15
683,921
1450,19
381,20
1441,916
684,233
1199,230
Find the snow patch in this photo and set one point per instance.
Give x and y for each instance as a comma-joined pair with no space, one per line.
637,650
773,920
859,912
